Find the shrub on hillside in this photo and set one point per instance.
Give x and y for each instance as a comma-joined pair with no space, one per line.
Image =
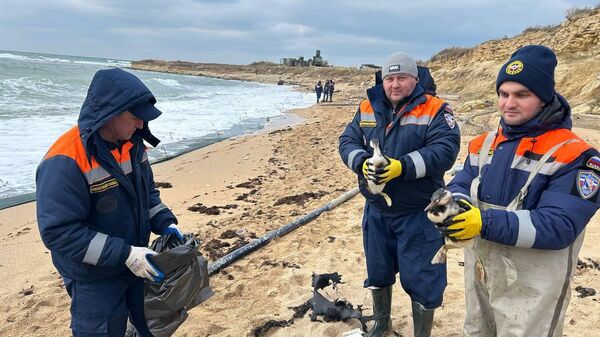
574,12
449,53
548,28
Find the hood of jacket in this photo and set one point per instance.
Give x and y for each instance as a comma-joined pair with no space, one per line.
554,115
111,92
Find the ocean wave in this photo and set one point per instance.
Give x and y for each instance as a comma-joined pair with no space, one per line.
48,59
11,87
167,82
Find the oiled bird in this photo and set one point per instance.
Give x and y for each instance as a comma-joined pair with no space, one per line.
377,161
442,207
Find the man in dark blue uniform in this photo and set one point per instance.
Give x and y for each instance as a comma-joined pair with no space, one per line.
419,137
97,204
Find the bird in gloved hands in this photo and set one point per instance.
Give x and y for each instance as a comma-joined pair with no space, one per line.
443,207
465,225
384,174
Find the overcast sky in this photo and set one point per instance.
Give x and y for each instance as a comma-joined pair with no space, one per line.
227,31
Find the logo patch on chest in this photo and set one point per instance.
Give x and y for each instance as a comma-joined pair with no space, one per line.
103,186
587,184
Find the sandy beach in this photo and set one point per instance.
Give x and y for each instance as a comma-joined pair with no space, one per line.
250,185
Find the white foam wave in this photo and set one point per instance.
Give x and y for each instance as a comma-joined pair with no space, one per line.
167,82
46,59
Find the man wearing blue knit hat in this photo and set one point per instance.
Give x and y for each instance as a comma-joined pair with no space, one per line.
529,190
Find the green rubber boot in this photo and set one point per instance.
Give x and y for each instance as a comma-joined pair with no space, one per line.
382,307
422,320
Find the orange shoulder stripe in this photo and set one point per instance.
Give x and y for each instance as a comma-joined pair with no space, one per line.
365,106
70,145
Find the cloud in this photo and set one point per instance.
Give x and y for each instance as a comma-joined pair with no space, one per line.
243,31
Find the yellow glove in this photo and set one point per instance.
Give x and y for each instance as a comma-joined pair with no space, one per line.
465,225
389,172
367,170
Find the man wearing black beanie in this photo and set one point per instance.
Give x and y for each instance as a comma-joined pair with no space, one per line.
530,189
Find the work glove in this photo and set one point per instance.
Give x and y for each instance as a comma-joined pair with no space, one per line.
389,172
367,169
173,229
465,225
140,265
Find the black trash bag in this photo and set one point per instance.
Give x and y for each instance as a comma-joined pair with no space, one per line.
185,284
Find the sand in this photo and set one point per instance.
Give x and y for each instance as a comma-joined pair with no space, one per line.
301,161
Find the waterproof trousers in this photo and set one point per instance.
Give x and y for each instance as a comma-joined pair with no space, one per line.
513,292
101,308
405,245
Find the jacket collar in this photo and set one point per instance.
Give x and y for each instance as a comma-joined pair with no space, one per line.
555,115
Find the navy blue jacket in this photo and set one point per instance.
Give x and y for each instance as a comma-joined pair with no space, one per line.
560,200
423,136
96,199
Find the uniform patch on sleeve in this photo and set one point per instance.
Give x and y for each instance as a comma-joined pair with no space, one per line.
448,109
587,183
450,120
593,163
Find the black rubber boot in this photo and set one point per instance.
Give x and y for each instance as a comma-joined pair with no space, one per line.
422,320
382,306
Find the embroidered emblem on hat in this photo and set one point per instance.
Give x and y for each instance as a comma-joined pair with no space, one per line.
593,163
450,120
587,184
514,67
393,68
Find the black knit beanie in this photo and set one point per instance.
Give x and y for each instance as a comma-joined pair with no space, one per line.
532,66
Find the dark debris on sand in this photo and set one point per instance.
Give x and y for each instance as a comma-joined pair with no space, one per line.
331,311
159,184
588,264
212,210
585,292
300,199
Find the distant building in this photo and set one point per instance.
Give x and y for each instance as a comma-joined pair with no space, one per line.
316,61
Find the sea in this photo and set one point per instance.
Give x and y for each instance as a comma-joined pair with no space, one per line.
41,95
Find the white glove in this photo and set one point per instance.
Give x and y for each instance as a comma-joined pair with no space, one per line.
140,265
173,229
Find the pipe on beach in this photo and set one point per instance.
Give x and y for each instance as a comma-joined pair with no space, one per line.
263,240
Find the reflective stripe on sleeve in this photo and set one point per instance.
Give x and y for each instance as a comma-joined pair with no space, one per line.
527,231
92,255
154,210
353,155
420,169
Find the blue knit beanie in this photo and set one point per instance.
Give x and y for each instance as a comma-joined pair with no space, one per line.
532,66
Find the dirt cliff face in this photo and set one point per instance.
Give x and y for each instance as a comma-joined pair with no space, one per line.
471,73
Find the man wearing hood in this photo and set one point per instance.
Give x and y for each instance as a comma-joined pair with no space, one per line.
530,189
418,135
97,204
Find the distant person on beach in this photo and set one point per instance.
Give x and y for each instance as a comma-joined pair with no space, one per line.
97,204
419,137
318,90
331,89
326,91
531,188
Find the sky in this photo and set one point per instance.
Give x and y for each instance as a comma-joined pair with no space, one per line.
347,32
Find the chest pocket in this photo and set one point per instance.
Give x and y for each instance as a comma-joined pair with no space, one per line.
106,195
